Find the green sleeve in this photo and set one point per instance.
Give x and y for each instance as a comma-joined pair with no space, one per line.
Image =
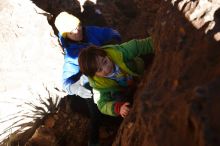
134,48
104,102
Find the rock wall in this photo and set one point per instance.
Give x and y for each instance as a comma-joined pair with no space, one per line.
177,103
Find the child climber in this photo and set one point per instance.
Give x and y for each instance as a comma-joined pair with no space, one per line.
73,38
112,69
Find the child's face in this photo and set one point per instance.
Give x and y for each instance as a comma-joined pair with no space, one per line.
76,34
105,66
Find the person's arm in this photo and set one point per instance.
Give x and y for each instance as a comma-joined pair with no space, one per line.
109,34
106,104
124,109
134,48
102,35
73,81
71,75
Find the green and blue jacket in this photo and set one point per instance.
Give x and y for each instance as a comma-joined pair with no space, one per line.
126,56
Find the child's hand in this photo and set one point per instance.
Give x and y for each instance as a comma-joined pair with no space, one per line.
124,109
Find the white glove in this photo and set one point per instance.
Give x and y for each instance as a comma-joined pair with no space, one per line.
79,90
83,80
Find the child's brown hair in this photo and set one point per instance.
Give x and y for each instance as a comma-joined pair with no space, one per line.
87,59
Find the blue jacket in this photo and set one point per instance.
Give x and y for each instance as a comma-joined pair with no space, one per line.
93,35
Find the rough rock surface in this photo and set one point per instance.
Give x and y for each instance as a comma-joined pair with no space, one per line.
177,101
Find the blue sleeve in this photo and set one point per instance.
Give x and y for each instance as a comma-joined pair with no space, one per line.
62,41
109,34
71,74
101,35
71,70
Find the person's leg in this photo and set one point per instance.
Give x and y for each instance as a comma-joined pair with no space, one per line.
95,116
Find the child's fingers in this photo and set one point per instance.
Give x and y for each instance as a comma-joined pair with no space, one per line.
124,113
126,103
126,110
